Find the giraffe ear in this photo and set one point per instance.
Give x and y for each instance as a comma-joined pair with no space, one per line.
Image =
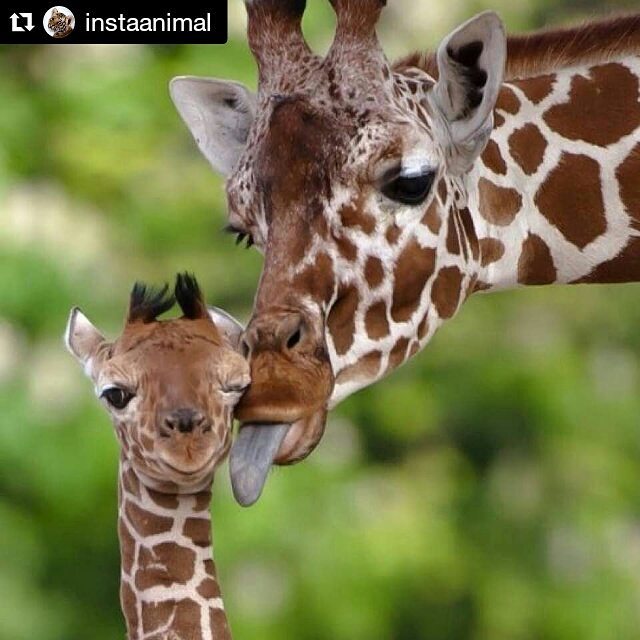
219,114
471,63
82,338
227,324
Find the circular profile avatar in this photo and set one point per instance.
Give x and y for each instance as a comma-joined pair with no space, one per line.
59,22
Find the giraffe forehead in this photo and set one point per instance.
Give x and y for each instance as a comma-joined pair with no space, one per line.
178,336
162,352
301,136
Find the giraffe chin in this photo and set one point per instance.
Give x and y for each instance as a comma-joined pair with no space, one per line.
165,480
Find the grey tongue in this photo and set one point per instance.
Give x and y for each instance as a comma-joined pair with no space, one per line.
252,454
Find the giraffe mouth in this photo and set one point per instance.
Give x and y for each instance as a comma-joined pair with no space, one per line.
190,472
252,456
259,446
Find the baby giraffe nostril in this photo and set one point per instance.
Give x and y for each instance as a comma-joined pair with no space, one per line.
184,421
185,426
200,422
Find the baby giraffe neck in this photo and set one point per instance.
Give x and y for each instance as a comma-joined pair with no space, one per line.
168,588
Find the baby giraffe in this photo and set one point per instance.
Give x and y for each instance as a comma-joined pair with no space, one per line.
170,388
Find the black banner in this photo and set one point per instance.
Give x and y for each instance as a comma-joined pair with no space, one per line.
110,23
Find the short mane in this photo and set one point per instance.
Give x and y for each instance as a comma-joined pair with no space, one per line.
146,304
552,49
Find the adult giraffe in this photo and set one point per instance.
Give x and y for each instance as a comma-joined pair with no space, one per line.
384,195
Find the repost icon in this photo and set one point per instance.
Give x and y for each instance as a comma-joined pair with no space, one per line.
22,22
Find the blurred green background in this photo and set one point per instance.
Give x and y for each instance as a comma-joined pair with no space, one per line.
490,490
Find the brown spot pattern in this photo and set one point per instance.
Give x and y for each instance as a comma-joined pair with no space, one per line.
498,205
535,265
219,621
128,603
442,190
373,272
165,500
209,588
202,501
481,285
453,240
601,109
130,483
423,328
628,176
317,279
187,619
341,321
127,547
414,267
199,530
432,218
393,233
508,101
145,523
491,250
538,88
527,146
446,291
353,216
492,158
165,564
366,368
570,198
376,322
347,249
625,267
470,232
398,354
156,615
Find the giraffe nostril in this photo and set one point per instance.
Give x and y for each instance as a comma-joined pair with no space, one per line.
294,338
183,421
201,422
185,426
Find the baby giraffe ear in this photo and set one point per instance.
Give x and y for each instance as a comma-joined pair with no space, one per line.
471,63
219,115
82,339
227,324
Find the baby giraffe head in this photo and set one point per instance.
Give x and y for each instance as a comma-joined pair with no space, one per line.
170,386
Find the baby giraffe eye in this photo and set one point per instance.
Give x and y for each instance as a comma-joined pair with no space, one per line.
118,398
237,387
409,189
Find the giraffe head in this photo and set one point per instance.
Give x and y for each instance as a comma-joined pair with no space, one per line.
349,177
169,386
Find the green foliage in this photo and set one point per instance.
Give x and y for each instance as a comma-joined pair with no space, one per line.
488,490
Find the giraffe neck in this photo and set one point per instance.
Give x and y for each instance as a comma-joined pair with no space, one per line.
169,589
556,196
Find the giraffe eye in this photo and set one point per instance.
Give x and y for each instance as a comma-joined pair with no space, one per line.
235,388
412,190
118,398
241,236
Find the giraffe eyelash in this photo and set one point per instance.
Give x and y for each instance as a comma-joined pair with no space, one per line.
241,236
